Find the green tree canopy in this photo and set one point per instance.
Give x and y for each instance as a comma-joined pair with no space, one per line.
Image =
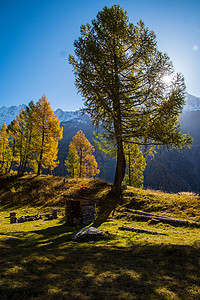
136,165
72,161
118,71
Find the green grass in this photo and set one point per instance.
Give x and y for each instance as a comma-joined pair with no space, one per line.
40,261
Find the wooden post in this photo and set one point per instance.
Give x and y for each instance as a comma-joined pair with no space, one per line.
54,213
13,219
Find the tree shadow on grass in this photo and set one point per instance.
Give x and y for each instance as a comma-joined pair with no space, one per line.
97,271
106,207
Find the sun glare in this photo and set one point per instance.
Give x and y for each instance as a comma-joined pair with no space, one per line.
167,79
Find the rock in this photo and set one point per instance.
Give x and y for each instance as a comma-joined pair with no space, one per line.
89,233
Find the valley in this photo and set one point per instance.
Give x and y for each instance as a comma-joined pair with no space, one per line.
172,171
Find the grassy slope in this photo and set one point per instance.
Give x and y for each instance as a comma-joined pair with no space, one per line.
39,261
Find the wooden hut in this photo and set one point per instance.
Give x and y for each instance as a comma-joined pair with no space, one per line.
79,210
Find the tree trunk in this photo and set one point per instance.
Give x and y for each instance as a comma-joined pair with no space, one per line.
19,168
121,162
120,170
39,164
13,155
10,168
24,167
81,163
41,153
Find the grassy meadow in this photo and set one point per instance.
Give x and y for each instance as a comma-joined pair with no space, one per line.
39,260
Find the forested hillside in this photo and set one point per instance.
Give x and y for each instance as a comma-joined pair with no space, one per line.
169,171
178,170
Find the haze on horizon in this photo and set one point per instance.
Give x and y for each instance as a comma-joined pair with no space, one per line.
37,37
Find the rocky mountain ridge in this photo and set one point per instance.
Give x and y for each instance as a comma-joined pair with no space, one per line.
7,114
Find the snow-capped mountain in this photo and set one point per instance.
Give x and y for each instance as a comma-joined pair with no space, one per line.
7,114
172,172
68,116
192,103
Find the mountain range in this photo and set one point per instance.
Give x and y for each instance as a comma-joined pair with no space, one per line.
172,171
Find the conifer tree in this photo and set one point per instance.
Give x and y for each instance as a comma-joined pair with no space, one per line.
136,162
87,164
12,135
18,132
50,161
21,133
72,161
49,133
136,165
5,150
118,71
29,135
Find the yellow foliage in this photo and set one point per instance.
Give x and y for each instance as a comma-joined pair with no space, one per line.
87,166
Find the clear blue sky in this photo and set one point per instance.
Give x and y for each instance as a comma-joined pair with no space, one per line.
36,37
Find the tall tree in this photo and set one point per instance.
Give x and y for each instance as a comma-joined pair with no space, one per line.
119,70
21,131
72,161
20,140
29,135
87,164
5,150
49,133
136,165
12,127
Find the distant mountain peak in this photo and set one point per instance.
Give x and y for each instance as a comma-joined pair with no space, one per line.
8,114
192,103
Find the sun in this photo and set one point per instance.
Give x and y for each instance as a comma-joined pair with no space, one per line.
167,79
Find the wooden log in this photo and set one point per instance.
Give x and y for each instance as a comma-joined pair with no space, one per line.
140,230
161,219
79,197
159,216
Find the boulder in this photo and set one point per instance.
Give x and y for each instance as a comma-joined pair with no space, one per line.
89,233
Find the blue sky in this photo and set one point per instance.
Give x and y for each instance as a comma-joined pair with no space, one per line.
36,37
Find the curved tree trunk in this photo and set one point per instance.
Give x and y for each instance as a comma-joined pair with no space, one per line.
120,171
121,162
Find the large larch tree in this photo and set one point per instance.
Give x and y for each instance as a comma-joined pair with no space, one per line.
49,133
118,71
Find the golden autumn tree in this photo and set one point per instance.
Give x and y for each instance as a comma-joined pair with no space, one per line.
49,133
50,161
18,132
5,150
88,166
21,132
